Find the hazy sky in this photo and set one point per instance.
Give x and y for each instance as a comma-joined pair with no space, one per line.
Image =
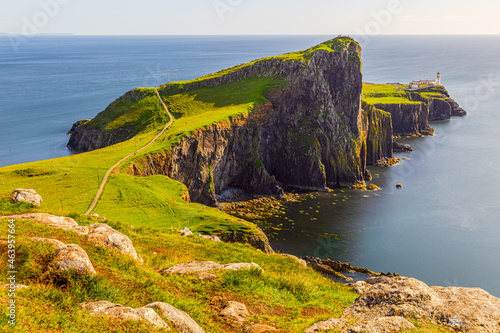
165,17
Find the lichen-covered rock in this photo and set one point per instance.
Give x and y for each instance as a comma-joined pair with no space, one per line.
466,309
327,325
207,266
125,313
182,321
235,313
186,232
380,325
26,195
71,256
59,222
209,237
55,242
105,236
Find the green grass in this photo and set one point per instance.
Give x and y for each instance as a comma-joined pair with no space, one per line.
285,288
281,297
70,183
287,295
333,45
385,94
139,110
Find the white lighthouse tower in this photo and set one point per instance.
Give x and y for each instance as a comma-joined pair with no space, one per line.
438,79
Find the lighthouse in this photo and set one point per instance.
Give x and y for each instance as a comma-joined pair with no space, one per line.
438,79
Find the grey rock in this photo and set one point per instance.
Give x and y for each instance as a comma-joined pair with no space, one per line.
182,322
26,195
186,232
105,236
71,256
207,266
125,313
60,222
209,237
235,313
329,324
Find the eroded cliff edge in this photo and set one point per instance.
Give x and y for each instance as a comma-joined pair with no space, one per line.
308,135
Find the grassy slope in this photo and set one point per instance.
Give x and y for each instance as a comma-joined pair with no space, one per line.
385,94
389,94
277,297
286,295
70,183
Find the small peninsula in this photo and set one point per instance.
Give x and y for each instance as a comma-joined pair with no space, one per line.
156,254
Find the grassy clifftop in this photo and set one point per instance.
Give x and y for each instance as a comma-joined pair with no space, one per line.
396,94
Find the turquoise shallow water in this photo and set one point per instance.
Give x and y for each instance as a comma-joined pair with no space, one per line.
443,227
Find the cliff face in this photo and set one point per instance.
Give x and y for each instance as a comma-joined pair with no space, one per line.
123,119
309,135
433,103
377,125
408,119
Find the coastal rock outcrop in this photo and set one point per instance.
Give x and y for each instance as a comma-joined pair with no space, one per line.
60,222
235,313
26,195
71,256
462,309
91,135
105,236
207,266
125,313
182,322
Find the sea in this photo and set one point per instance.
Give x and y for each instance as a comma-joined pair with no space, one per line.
443,227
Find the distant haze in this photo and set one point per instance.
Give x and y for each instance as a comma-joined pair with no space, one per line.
255,17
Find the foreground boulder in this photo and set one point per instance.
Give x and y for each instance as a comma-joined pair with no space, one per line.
59,222
25,195
207,266
182,322
327,325
463,309
235,313
71,256
380,325
105,236
125,313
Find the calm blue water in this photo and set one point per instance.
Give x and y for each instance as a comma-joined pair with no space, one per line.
443,227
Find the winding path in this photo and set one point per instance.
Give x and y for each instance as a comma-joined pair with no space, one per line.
105,179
